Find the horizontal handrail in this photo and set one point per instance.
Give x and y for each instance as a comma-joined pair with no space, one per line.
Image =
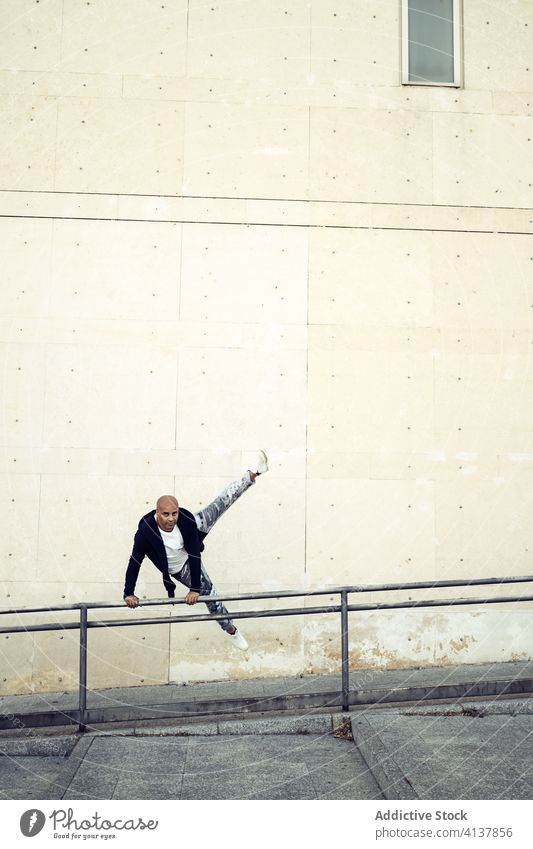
261,614
361,588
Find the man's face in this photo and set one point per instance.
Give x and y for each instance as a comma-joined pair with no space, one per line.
166,513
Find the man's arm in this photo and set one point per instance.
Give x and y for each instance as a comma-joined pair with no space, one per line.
132,572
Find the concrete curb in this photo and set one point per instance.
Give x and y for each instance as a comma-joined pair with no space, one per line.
312,724
509,707
388,775
58,746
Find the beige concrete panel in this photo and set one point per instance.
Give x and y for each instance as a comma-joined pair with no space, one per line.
108,36
39,204
116,270
451,463
223,396
53,84
500,405
371,155
65,461
151,208
346,411
356,42
352,337
513,221
482,281
351,93
223,210
489,370
361,436
248,39
369,531
119,146
312,90
454,462
384,639
516,465
245,150
259,273
154,208
177,463
268,337
187,209
303,92
284,213
28,142
497,45
416,217
22,377
26,253
19,499
87,524
338,464
482,159
482,528
31,34
211,463
326,214
58,592
104,332
483,341
392,465
98,398
128,656
491,440
420,217
202,652
16,652
188,88
55,661
483,635
442,99
370,277
512,102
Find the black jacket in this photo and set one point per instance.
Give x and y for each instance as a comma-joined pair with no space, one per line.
148,542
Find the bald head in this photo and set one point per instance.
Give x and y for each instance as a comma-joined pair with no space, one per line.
166,513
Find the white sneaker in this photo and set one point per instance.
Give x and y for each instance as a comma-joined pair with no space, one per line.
260,464
238,640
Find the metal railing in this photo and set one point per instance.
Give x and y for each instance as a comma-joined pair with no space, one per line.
343,607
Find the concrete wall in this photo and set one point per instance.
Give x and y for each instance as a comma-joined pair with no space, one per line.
227,225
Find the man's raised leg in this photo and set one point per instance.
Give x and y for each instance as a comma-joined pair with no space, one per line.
206,518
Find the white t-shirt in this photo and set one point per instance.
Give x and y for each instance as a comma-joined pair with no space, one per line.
176,554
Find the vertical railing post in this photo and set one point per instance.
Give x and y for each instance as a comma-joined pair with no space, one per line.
83,668
344,652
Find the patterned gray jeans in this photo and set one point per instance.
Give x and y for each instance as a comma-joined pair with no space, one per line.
205,519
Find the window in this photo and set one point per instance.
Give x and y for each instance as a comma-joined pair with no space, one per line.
431,42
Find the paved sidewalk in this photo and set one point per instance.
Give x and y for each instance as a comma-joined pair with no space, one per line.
477,748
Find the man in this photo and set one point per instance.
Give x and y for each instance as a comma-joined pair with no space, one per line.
171,537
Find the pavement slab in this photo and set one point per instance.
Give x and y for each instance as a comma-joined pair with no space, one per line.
28,777
448,756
